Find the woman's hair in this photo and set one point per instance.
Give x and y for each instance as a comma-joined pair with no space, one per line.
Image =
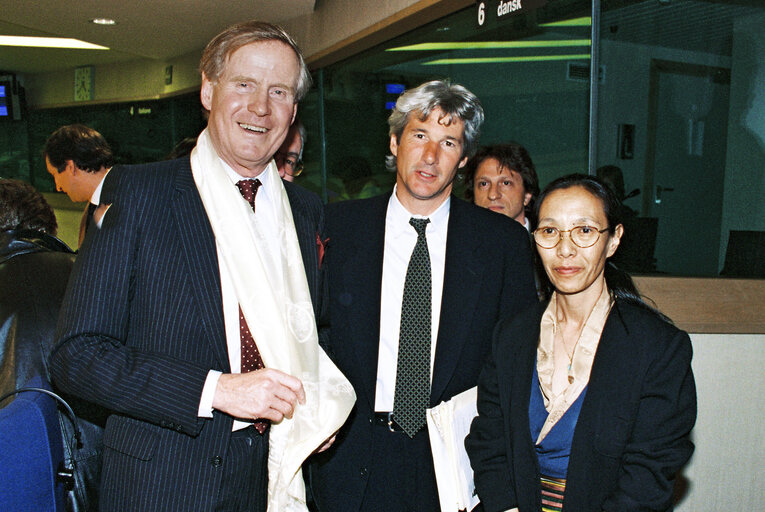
618,281
24,208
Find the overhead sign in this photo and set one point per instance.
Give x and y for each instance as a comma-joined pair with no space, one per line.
489,12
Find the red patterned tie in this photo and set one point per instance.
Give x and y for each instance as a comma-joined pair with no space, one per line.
251,359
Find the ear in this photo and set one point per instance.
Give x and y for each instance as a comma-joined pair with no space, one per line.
393,145
70,167
294,113
526,198
206,93
613,242
462,162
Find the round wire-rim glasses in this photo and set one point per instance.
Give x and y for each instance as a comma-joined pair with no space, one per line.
583,237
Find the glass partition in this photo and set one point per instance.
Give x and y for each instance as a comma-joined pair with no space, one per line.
682,114
679,125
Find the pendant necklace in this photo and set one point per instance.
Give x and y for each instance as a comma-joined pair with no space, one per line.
573,350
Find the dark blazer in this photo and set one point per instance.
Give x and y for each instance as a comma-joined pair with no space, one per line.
142,325
632,433
488,273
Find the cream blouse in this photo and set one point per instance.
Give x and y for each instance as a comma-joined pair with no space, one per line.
581,361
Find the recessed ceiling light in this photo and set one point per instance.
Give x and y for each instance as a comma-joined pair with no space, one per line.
103,21
49,42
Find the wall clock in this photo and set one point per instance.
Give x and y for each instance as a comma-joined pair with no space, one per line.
83,83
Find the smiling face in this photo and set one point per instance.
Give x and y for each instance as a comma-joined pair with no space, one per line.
500,189
428,155
572,269
252,104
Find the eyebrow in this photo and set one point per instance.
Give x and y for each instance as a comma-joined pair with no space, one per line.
243,78
580,220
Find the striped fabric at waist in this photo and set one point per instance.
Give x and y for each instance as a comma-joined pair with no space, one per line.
552,493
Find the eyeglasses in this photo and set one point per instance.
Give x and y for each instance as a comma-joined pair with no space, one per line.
292,166
548,237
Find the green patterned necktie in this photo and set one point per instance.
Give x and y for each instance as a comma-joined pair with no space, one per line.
413,370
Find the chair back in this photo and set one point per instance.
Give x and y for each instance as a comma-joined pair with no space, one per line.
31,451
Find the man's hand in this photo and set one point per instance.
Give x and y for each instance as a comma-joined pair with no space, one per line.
326,444
267,393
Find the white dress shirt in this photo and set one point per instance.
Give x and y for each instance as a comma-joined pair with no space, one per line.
264,206
95,199
400,239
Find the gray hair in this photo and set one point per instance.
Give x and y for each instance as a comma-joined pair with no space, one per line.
223,45
453,99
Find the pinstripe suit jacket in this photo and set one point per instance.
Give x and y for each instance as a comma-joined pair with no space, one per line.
141,326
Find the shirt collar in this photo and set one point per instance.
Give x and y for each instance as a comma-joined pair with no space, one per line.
398,216
96,197
265,177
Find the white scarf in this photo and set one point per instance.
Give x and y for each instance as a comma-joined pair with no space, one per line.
280,317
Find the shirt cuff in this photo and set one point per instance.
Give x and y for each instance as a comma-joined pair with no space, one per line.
208,394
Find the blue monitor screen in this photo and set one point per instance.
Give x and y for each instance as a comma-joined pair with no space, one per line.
4,101
394,88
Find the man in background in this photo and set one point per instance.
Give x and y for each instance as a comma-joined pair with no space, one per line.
79,159
502,178
289,158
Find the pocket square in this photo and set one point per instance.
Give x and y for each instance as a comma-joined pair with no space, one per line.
321,246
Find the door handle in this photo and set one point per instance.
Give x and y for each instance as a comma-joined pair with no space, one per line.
659,191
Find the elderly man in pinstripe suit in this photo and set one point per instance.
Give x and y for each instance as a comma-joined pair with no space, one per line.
188,285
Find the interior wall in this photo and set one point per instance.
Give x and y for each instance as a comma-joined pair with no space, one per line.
332,21
335,20
730,442
624,100
138,79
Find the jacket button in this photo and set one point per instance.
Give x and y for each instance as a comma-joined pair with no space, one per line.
216,461
363,471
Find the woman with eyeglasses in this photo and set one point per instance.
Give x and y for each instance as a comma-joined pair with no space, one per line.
587,400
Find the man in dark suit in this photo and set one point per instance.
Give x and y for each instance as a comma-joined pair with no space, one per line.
205,270
80,159
417,280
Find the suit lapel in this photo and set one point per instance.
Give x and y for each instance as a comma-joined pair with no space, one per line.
462,281
198,248
611,370
362,273
307,238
